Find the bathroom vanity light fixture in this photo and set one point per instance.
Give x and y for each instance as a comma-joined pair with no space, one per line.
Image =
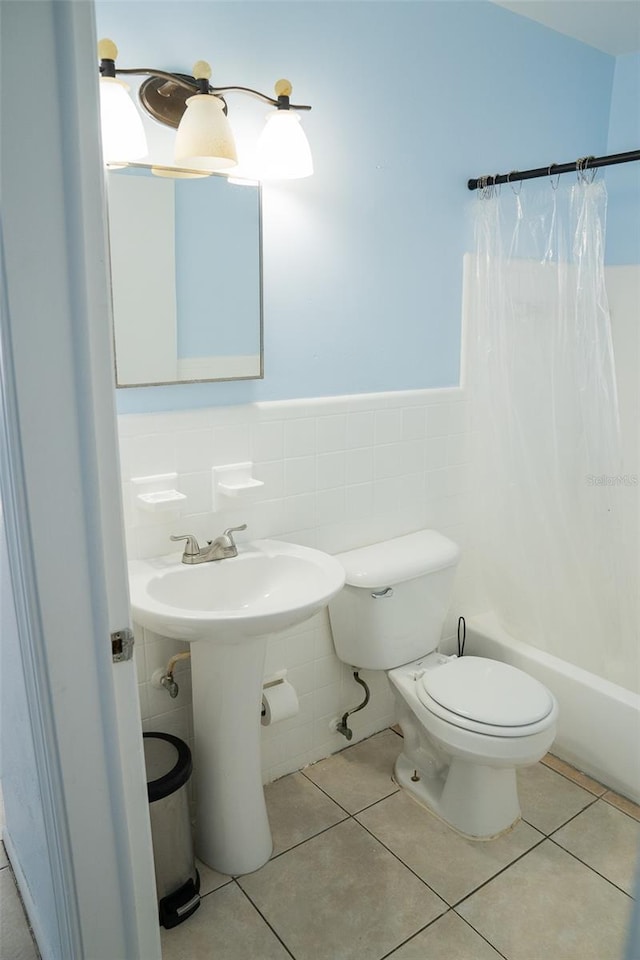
204,139
123,136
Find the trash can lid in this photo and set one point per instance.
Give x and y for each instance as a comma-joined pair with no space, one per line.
168,764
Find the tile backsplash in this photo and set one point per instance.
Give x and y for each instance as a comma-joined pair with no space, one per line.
338,473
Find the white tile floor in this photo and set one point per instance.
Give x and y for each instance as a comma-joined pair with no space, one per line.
16,942
362,872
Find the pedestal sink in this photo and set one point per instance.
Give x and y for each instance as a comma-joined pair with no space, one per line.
226,609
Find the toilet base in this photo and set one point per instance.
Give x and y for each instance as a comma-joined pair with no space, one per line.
478,801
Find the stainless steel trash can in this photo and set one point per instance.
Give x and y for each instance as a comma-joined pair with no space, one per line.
168,763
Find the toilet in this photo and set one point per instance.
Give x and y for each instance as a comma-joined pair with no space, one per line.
468,722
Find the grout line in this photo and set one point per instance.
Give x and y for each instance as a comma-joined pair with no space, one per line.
322,790
405,865
215,890
456,903
575,782
550,837
276,856
416,934
616,807
589,867
452,907
348,747
259,912
377,839
592,802
503,870
481,935
375,803
347,816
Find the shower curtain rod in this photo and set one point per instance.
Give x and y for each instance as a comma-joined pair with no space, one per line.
584,163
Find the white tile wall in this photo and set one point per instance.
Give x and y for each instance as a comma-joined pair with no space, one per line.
338,473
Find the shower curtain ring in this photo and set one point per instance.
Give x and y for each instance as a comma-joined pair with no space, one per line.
554,186
516,193
590,173
581,169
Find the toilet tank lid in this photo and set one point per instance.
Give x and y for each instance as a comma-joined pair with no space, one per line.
403,558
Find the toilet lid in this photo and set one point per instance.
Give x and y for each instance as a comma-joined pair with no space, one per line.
488,691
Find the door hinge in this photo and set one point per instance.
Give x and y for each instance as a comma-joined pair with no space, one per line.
122,645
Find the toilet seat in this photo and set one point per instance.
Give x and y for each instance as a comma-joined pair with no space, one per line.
485,696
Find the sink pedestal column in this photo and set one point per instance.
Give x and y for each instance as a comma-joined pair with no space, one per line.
232,828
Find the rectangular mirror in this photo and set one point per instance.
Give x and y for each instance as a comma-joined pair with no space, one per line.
186,276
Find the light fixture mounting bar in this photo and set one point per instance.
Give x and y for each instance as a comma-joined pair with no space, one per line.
260,96
182,81
178,78
168,103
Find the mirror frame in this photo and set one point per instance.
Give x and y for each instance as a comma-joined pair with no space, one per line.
186,170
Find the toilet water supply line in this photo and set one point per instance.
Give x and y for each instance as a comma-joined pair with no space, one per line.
342,726
462,635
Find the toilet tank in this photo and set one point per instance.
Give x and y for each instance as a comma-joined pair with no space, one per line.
395,600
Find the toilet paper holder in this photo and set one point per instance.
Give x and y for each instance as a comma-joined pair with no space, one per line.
269,684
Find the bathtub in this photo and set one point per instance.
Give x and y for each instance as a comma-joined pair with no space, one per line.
599,722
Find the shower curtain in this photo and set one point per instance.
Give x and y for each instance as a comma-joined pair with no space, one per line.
557,555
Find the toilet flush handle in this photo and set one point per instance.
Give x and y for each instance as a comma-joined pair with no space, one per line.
382,594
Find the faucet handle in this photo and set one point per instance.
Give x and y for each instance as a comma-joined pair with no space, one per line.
231,530
192,548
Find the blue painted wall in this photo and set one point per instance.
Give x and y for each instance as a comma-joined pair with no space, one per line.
363,262
623,182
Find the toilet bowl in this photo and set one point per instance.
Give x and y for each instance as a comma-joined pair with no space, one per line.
468,722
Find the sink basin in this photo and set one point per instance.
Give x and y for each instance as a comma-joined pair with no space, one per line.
269,586
227,609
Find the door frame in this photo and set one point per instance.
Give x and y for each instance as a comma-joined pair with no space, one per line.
61,488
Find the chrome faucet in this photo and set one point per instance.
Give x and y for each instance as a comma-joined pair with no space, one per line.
221,548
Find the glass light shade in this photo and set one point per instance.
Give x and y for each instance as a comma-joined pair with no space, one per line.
123,137
204,140
283,151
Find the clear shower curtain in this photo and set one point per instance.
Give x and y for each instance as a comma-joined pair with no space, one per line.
555,548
